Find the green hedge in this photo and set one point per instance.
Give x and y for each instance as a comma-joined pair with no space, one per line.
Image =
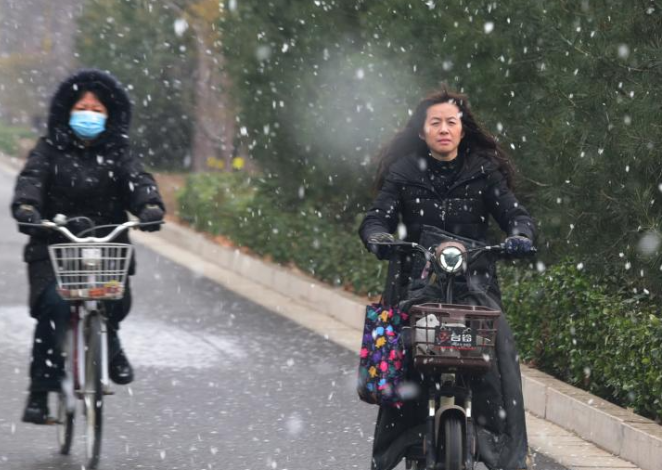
566,322
229,204
577,329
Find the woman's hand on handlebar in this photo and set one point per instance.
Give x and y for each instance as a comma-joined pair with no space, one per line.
378,244
151,217
27,214
519,246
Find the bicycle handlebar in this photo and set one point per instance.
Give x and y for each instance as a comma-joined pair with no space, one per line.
47,224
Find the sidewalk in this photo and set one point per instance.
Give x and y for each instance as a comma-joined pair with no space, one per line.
564,422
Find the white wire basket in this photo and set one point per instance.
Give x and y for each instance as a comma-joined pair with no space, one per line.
91,271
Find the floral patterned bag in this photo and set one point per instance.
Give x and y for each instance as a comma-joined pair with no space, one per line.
382,361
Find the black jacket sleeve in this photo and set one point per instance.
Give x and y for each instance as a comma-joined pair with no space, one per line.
384,214
511,216
138,186
32,181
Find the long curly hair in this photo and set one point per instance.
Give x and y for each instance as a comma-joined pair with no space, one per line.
407,141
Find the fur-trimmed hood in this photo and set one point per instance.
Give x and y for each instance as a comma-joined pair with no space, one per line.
109,91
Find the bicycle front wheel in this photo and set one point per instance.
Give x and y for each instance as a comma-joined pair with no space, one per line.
93,400
66,403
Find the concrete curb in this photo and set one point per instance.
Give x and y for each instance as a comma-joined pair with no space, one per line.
619,431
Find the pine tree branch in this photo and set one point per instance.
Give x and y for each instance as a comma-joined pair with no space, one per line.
537,183
571,44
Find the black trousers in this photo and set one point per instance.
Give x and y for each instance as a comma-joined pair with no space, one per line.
53,315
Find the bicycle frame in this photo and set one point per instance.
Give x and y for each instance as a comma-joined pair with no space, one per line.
81,310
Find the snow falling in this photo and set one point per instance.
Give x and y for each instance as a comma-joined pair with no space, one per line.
267,127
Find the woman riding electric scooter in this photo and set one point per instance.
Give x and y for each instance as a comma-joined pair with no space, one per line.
443,170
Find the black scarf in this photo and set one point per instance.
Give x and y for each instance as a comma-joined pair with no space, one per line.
442,173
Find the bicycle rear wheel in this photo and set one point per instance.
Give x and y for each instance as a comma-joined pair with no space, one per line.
93,399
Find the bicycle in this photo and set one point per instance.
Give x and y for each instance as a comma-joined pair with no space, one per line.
450,344
88,271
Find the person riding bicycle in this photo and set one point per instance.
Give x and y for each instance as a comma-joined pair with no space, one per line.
82,168
443,173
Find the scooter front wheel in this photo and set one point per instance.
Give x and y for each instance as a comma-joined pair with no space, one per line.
453,455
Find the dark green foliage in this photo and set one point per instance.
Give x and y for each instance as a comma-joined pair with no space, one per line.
136,41
571,88
251,214
310,99
569,324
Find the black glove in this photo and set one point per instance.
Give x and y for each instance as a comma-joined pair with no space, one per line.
519,246
27,214
380,251
151,213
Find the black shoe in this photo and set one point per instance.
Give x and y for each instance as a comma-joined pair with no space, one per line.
120,371
36,410
119,368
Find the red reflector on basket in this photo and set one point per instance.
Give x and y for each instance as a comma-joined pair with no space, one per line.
97,292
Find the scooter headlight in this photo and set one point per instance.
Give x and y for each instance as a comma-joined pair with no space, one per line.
451,259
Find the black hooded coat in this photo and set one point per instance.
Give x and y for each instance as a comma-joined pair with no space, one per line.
100,180
475,191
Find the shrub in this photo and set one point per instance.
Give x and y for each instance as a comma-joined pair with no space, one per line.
250,213
580,330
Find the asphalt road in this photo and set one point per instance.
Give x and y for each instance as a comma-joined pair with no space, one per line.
221,383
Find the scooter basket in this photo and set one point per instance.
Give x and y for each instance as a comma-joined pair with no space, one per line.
452,337
90,271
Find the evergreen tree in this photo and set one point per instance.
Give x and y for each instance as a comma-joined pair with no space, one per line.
137,42
572,90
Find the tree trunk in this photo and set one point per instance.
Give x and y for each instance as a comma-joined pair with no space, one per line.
214,121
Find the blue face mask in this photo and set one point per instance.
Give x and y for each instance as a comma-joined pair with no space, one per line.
87,124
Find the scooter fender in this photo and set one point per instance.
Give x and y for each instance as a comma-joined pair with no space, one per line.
468,442
446,410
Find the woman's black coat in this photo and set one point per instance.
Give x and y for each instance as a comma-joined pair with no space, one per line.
477,191
62,175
